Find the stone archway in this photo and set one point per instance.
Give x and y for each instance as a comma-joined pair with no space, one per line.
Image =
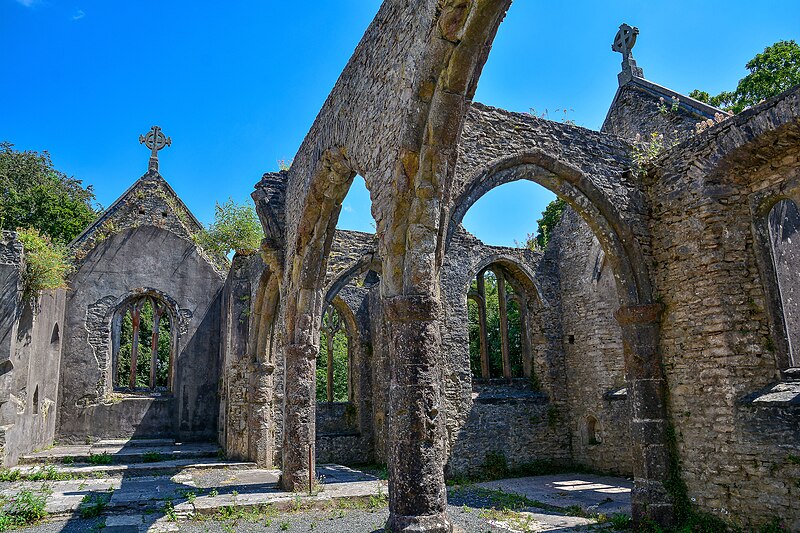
638,315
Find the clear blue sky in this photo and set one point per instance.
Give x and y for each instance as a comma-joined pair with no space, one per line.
237,84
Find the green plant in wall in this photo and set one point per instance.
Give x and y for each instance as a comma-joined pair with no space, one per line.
47,263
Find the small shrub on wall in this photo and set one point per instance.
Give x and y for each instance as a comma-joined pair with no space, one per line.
47,263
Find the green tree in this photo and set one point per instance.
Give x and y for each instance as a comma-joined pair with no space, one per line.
515,330
545,225
340,360
33,194
773,71
235,228
144,355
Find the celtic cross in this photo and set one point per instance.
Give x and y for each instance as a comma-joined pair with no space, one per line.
623,43
155,140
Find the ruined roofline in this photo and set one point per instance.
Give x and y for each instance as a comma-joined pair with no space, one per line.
742,121
687,103
108,212
522,115
463,233
355,233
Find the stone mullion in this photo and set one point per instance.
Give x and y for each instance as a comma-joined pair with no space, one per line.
135,318
484,340
527,352
647,390
503,304
158,310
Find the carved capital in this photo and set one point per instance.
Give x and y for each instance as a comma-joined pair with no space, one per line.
639,314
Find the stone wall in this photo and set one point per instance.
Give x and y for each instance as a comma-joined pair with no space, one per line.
717,341
592,340
142,244
641,108
30,358
247,407
521,420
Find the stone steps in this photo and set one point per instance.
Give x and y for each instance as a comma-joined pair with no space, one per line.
135,469
122,452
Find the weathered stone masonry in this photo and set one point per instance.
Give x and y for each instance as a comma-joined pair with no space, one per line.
663,306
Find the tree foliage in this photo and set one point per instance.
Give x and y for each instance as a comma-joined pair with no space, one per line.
235,228
545,225
773,71
144,355
47,264
33,194
515,330
340,363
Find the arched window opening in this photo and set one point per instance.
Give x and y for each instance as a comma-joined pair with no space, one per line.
144,357
36,400
333,363
54,336
497,329
356,211
593,431
784,234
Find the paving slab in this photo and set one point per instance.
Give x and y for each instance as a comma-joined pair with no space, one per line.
592,493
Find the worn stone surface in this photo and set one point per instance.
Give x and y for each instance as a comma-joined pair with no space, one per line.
141,245
665,303
593,359
718,338
30,357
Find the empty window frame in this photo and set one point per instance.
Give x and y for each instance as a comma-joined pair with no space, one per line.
143,358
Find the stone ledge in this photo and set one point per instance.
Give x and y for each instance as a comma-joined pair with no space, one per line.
782,394
615,395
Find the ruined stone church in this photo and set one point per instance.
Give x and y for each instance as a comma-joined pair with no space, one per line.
657,333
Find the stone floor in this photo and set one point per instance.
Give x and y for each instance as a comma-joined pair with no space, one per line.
151,486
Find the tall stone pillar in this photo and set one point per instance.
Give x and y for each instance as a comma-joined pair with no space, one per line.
647,390
417,493
299,417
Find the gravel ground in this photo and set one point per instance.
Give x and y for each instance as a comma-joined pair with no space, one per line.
355,521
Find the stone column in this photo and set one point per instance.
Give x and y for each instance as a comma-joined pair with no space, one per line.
649,424
417,493
299,417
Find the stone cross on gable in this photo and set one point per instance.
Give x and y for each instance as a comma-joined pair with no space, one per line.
155,140
623,43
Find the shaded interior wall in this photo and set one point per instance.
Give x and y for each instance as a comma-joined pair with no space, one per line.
246,423
511,419
30,358
592,343
125,263
715,333
784,225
